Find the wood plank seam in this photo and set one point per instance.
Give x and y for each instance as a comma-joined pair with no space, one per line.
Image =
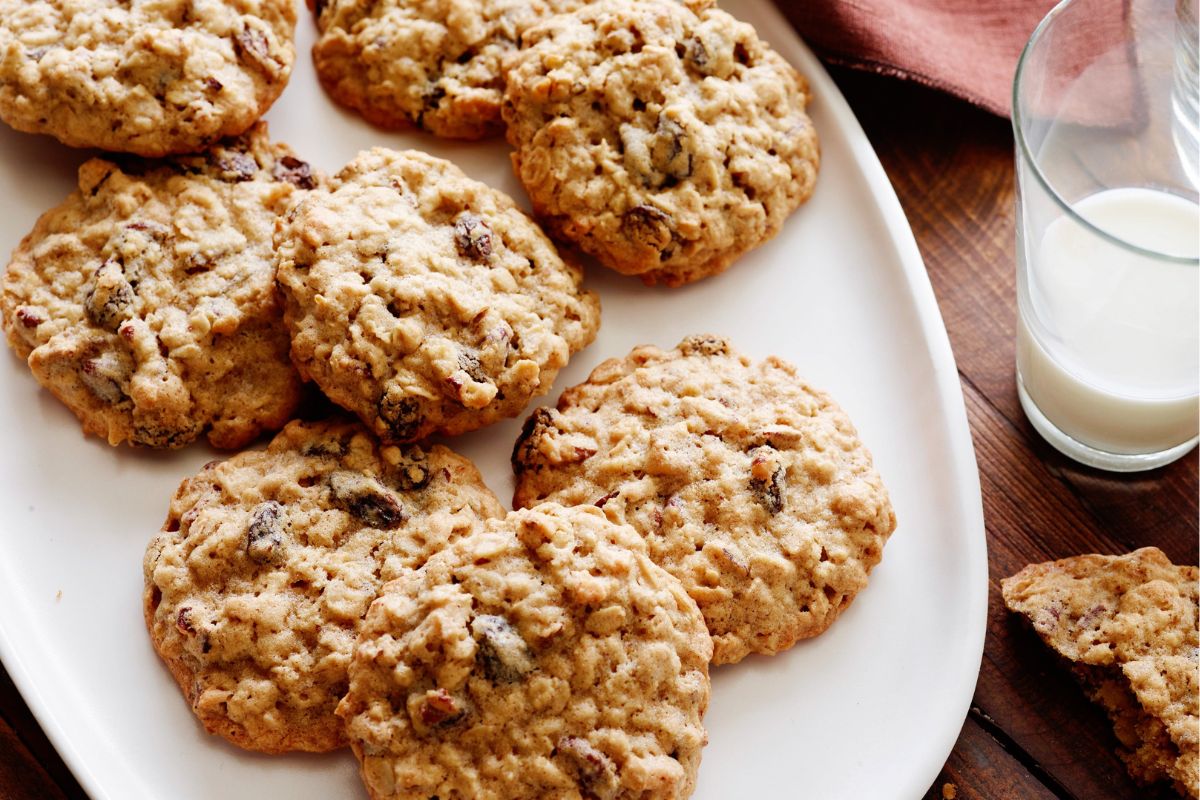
1010,746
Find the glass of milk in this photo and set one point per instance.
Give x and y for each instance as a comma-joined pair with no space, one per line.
1108,231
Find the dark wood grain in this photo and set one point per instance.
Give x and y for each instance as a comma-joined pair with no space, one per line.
20,773
952,167
30,769
1031,733
980,768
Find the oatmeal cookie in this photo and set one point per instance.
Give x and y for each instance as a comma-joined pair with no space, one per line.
257,584
747,484
146,78
146,301
425,301
664,141
1127,625
434,64
544,658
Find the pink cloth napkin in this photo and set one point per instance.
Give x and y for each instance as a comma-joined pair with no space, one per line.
967,47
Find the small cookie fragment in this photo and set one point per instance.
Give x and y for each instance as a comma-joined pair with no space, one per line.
424,301
544,658
434,64
666,139
1127,625
152,79
257,584
748,485
146,301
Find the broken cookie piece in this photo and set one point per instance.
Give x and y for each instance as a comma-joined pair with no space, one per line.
1127,628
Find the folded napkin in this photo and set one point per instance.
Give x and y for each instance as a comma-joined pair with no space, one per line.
967,47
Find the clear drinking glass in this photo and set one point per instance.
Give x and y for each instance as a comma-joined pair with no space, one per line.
1108,231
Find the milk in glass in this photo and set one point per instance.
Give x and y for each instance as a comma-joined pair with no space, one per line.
1108,346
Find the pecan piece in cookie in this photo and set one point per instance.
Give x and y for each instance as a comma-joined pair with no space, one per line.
411,469
704,344
294,171
766,479
647,226
183,621
670,151
473,237
436,709
110,301
469,363
146,434
330,447
525,451
234,166
596,773
106,376
264,534
252,44
29,318
367,499
402,415
504,655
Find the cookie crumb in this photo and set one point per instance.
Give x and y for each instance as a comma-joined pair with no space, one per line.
949,791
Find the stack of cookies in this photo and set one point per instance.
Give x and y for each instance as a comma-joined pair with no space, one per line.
354,583
678,508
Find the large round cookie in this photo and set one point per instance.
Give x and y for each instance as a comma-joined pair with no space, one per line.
748,485
425,301
435,64
151,78
663,141
545,658
257,584
146,301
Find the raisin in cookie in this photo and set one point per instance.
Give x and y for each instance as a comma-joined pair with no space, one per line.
748,485
663,141
145,78
544,658
425,301
257,584
434,64
1127,625
146,301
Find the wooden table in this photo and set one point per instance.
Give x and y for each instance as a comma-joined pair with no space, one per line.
1030,733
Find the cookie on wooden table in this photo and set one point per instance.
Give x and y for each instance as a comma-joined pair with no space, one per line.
664,141
146,301
257,584
151,78
1128,627
433,64
425,301
747,484
544,658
